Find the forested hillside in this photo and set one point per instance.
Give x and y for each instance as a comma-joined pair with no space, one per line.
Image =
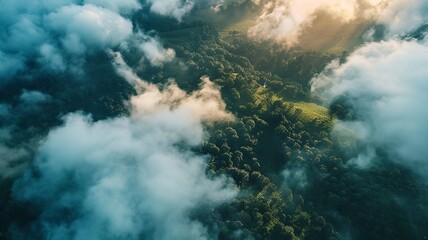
192,128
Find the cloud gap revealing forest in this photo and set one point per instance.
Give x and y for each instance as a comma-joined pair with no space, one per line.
213,119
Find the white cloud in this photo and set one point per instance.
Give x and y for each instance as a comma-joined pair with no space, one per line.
404,16
11,11
172,8
130,176
149,48
155,53
204,104
122,6
51,58
284,20
87,27
123,177
23,35
386,85
58,35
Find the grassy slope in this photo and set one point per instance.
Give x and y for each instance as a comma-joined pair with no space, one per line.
310,111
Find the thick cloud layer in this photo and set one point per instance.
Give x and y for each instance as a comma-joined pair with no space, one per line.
128,177
122,178
51,32
385,83
57,35
284,20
